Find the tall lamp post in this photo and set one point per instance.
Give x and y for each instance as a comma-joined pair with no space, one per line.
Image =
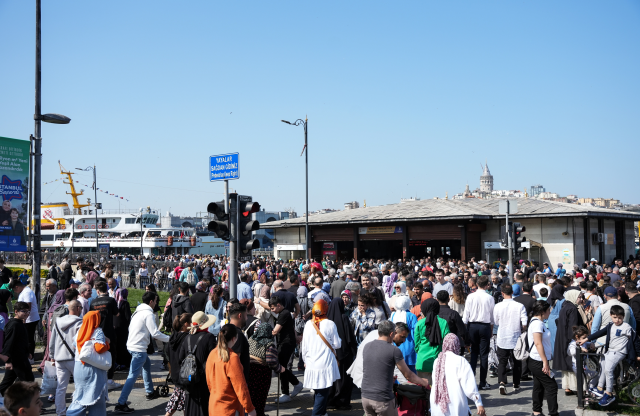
141,232
305,123
37,159
95,203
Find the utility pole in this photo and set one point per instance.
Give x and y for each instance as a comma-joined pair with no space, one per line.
233,241
509,243
37,164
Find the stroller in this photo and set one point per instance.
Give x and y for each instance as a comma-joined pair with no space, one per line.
412,400
163,389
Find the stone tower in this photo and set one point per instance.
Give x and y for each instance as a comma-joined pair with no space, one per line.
486,180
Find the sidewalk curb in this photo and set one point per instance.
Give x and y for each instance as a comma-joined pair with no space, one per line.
590,412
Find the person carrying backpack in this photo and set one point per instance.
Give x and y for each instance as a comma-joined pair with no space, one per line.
189,276
181,303
193,354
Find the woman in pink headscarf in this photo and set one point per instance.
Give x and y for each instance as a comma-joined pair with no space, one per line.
453,382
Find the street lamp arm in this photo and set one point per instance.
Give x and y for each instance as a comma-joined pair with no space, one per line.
298,122
87,169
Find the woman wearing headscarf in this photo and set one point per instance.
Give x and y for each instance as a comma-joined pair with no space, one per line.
227,392
264,359
90,392
340,392
201,343
428,337
347,299
403,314
416,310
320,356
571,314
400,289
388,282
216,306
556,300
121,325
454,382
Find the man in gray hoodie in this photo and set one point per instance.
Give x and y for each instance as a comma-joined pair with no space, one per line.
62,350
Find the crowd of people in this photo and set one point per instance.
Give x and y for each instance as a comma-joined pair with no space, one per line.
425,322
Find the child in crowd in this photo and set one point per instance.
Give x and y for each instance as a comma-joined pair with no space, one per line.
618,335
24,277
23,399
544,292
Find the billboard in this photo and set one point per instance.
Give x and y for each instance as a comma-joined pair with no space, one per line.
14,187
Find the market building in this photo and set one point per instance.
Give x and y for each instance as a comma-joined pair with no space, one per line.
463,228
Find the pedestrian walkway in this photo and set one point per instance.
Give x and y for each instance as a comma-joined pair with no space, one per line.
518,404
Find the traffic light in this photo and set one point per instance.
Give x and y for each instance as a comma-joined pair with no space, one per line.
519,238
220,226
246,225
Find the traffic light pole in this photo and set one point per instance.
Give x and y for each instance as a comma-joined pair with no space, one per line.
233,251
509,243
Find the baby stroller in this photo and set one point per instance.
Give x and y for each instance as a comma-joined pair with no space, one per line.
163,389
412,400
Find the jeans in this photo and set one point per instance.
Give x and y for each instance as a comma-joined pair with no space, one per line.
503,360
480,334
320,401
543,387
139,362
97,409
375,408
64,370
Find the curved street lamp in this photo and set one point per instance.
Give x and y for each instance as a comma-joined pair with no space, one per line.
305,123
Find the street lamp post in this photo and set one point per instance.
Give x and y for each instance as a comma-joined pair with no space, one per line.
95,204
305,123
141,252
37,158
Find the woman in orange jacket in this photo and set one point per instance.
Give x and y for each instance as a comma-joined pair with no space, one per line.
228,387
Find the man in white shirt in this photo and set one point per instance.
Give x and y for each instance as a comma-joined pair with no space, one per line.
511,318
478,315
541,278
442,284
26,295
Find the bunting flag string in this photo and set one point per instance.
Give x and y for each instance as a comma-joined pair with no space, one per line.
83,184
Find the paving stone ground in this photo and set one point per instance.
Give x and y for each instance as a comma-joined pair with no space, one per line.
516,404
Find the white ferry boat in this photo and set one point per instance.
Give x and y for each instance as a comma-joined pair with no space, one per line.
66,230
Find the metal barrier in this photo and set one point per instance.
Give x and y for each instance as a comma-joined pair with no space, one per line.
627,378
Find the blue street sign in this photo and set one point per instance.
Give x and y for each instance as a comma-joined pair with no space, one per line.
223,167
226,244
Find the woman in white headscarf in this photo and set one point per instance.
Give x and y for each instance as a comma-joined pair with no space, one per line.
403,314
399,289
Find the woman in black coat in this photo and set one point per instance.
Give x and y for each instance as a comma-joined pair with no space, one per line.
67,275
121,326
571,314
180,331
340,392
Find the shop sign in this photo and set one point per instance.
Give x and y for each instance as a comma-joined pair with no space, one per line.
380,230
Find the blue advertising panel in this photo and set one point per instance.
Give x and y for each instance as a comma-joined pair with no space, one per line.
14,186
224,167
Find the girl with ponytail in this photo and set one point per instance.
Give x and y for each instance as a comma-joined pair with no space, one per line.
225,377
180,328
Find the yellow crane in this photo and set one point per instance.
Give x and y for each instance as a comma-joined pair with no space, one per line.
73,193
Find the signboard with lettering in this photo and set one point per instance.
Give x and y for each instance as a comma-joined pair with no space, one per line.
224,167
14,186
380,230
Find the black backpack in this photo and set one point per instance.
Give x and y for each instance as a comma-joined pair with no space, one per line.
190,371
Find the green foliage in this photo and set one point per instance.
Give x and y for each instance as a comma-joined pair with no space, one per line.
17,271
135,296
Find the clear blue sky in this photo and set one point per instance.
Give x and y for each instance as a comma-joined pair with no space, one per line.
403,98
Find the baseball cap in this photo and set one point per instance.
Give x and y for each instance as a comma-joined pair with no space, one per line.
611,291
76,282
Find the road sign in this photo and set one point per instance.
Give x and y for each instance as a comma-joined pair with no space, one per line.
507,207
226,244
224,167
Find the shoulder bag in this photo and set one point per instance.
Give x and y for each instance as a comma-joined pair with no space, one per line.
325,341
73,354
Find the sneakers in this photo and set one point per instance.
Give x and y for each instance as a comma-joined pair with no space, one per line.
284,398
153,395
516,388
485,386
503,389
596,392
296,389
606,400
112,385
493,373
32,361
123,408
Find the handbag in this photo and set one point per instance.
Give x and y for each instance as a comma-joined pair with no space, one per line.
325,342
89,355
49,378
